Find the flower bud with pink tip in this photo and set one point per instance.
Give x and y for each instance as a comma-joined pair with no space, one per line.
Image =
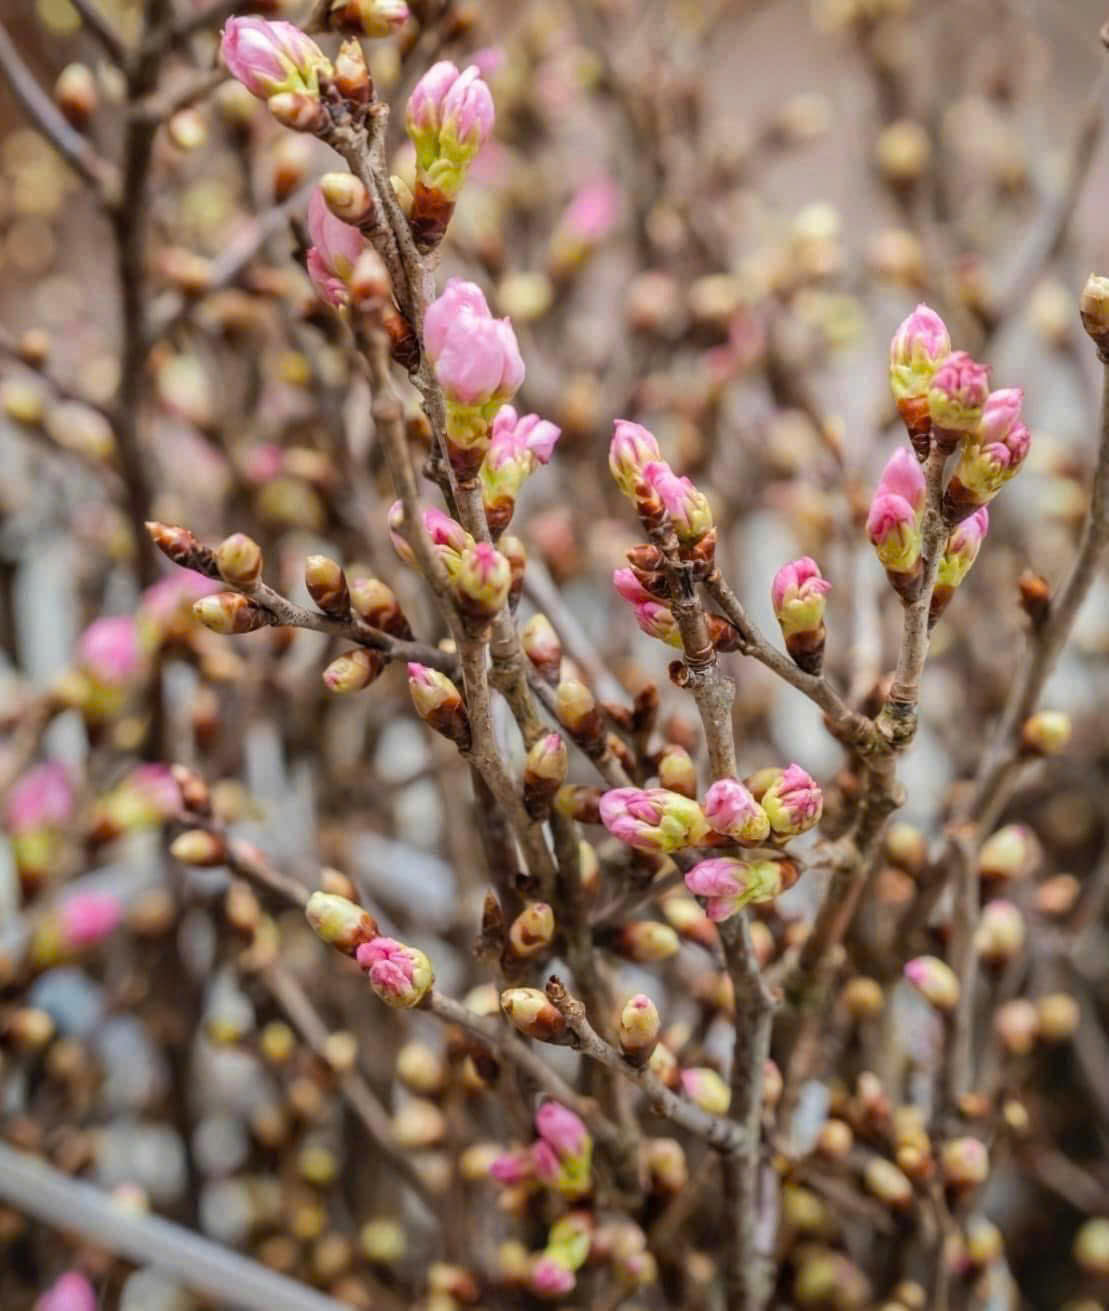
448,538
935,980
272,59
564,1134
439,704
917,349
894,523
549,1278
69,1292
627,583
797,593
512,1168
339,922
732,811
335,250
401,976
653,819
36,811
482,581
793,802
353,671
88,917
542,647
728,884
657,621
957,396
687,508
706,1089
517,447
372,18
631,450
959,555
639,1029
588,219
989,457
544,773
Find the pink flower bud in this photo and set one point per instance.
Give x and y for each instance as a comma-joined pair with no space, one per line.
479,362
512,1168
793,803
935,981
482,580
903,477
439,703
917,349
958,393
563,1136
467,117
992,455
731,810
1000,414
550,1278
448,537
653,819
372,18
593,211
70,1292
272,58
657,620
893,527
457,300
705,1087
962,548
401,976
43,797
544,1159
110,652
632,449
687,507
729,884
630,588
797,593
424,113
336,247
561,1129
87,917
528,432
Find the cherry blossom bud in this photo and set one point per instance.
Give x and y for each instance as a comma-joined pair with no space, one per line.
512,1168
401,976
340,923
639,1029
70,1292
239,558
797,594
578,712
863,998
1059,1017
517,447
229,613
1000,932
43,797
646,942
542,647
532,931
335,250
1046,734
707,1089
198,847
959,555
439,704
376,603
579,802
935,981
481,581
466,122
894,522
957,396
989,457
347,197
180,546
653,819
965,1163
632,449
676,771
327,585
533,1014
729,884
449,538
687,508
1013,852
353,671
666,1165
1017,1025
424,114
273,58
562,1130
793,802
85,918
657,621
372,18
544,773
918,348
732,811
887,1183
549,1278
75,94
1094,308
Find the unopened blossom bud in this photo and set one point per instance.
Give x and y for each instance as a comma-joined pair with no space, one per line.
533,1014
991,455
893,523
447,536
340,923
1059,1016
1013,852
676,770
542,647
544,773
917,349
1094,308
965,1163
657,621
579,801
1046,733
75,94
327,585
687,508
335,250
653,819
646,941
549,1278
578,711
793,803
1000,932
239,558
297,111
935,981
70,1292
439,704
198,847
481,581
728,884
732,811
273,58
959,555
352,75
639,1029
632,449
346,196
518,445
836,1140
666,1165
353,671
532,931
373,18
707,1089
1017,1025
376,603
906,847
887,1183
401,976
562,1129
182,547
230,613
798,592
1091,1247
957,396
863,998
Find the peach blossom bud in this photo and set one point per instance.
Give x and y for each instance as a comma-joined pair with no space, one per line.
657,621
272,58
466,117
1013,852
229,613
647,941
198,847
239,559
542,647
532,930
1047,733
532,1013
917,349
677,772
1000,932
1059,1017
935,981
707,1089
632,449
639,1029
732,811
340,923
957,395
959,555
793,803
1017,1025
401,976
327,585
372,18
729,884
353,671
990,456
653,819
887,1183
965,1163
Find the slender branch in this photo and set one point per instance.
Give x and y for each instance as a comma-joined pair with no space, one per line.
102,30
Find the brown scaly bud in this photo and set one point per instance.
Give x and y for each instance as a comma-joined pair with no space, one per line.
75,94
376,603
327,585
404,345
544,774
239,560
639,1029
1035,597
195,796
180,546
1094,308
533,1014
198,847
353,671
723,635
579,713
542,647
340,923
429,216
579,802
645,709
352,77
532,931
230,614
439,704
